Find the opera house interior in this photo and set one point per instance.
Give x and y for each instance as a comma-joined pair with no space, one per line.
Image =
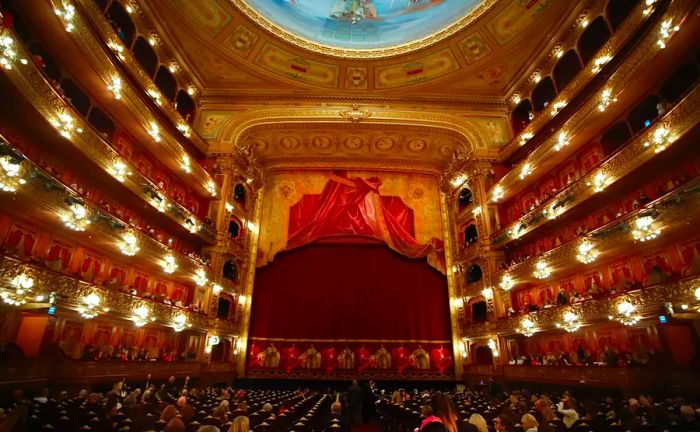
349,215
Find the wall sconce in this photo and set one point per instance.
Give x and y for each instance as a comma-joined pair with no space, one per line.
191,226
185,129
457,303
515,99
7,53
507,282
169,265
11,174
649,6
67,13
497,193
586,253
606,99
476,211
22,285
570,322
116,87
463,348
216,289
200,277
667,30
660,139
525,137
600,62
65,124
228,207
556,107
542,271
487,293
494,347
211,188
141,316
213,340
154,132
119,171
186,164
191,90
553,211
180,323
644,229
527,327
562,141
155,95
525,171
536,77
242,299
626,314
129,245
459,180
600,182
77,218
90,305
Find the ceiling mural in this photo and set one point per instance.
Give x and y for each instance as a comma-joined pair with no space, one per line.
363,24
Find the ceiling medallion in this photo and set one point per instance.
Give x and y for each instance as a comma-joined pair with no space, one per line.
355,114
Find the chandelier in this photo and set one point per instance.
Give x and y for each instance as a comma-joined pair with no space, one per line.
169,265
600,182
644,229
89,307
661,138
570,322
7,53
67,14
200,277
525,171
211,188
562,141
626,314
497,193
141,316
527,327
606,98
180,322
129,245
22,292
116,87
120,171
65,123
216,289
494,347
77,218
507,282
11,174
586,252
541,270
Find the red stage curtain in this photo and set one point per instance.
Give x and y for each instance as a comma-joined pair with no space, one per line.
353,206
349,292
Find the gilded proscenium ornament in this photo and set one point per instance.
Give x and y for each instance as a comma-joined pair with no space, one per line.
680,120
620,81
594,312
355,113
672,214
618,39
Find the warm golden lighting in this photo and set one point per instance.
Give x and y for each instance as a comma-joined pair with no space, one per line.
67,13
120,171
600,182
191,226
242,299
554,211
507,282
667,30
516,231
185,129
116,87
600,62
216,289
142,316
118,48
649,6
644,229
22,292
457,303
476,211
191,90
525,137
525,171
542,271
180,322
536,77
606,98
129,245
459,180
169,264
586,252
11,174
7,53
173,66
527,327
65,123
200,277
211,188
562,141
697,294
494,347
570,322
556,107
228,207
155,132
213,340
487,293
77,218
661,138
626,314
160,203
89,307
155,95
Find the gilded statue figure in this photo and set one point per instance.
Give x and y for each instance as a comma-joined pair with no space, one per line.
346,359
382,358
420,358
312,358
270,356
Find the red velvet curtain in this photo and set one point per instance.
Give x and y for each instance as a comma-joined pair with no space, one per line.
354,206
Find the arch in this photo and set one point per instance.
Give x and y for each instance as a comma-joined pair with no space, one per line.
166,83
144,54
543,94
230,270
618,10
224,306
239,194
593,38
521,116
234,227
566,69
121,22
483,355
474,274
465,197
185,106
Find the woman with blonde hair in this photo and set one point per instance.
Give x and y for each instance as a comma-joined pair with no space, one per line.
480,423
444,408
240,424
529,423
396,398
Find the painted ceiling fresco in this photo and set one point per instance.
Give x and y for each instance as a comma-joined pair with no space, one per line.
363,24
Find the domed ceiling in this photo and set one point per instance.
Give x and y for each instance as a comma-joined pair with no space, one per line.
373,25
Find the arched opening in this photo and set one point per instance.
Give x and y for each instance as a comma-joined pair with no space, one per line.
483,355
220,351
543,94
103,124
166,83
644,114
615,137
223,307
239,194
618,10
474,274
567,68
521,116
593,38
470,235
230,270
145,55
121,22
77,97
234,228
185,106
680,81
465,197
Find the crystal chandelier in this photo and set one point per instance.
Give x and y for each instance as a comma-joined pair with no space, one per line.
600,182
606,98
65,123
90,306
129,245
116,87
562,141
494,347
141,316
525,171
497,193
667,30
586,253
67,13
644,229
527,327
570,322
626,314
180,322
507,282
211,188
120,171
11,174
77,218
200,277
660,139
542,271
169,265
22,291
7,53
